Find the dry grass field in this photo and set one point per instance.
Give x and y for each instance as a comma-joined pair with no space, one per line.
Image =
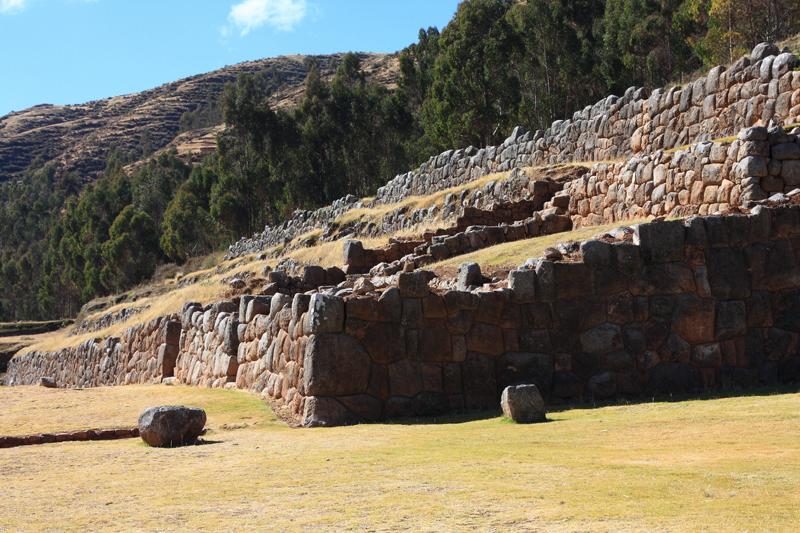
514,254
730,464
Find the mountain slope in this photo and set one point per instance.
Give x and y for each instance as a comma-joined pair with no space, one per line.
79,138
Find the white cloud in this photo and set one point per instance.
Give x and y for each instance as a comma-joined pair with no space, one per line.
249,15
12,6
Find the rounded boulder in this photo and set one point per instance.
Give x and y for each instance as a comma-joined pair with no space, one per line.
171,425
523,404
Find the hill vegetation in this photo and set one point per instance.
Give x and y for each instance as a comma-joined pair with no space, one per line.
498,63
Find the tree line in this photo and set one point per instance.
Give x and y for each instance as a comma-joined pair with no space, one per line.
497,64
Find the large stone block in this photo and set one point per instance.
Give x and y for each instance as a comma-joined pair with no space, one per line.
786,151
572,280
414,284
790,172
523,284
405,378
603,385
325,314
707,355
335,365
325,412
353,256
313,276
434,342
728,274
773,266
597,253
258,305
664,278
383,341
517,368
486,339
469,276
694,318
480,384
661,241
169,426
602,339
752,166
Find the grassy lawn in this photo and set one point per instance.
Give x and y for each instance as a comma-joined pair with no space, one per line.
728,464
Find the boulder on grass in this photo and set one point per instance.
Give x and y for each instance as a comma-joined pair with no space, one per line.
169,426
48,383
523,404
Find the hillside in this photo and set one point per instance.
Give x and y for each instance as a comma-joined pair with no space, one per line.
79,138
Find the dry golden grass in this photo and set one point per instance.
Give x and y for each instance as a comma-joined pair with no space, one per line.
590,164
376,214
716,465
727,139
29,410
513,254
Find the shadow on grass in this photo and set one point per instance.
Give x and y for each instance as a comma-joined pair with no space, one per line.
456,417
463,417
772,390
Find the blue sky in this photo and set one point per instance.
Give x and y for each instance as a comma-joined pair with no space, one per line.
72,51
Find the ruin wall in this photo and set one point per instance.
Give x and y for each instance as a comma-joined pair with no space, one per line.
689,305
757,89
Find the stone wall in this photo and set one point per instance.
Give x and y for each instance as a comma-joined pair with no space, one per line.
256,344
710,302
759,88
704,178
142,355
260,347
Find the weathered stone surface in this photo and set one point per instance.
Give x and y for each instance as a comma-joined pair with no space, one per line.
413,284
325,412
763,50
469,276
518,368
168,426
523,404
335,365
602,339
523,283
325,314
603,385
693,318
661,242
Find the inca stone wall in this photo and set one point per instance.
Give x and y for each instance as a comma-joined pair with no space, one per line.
759,88
142,355
702,303
710,302
704,178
